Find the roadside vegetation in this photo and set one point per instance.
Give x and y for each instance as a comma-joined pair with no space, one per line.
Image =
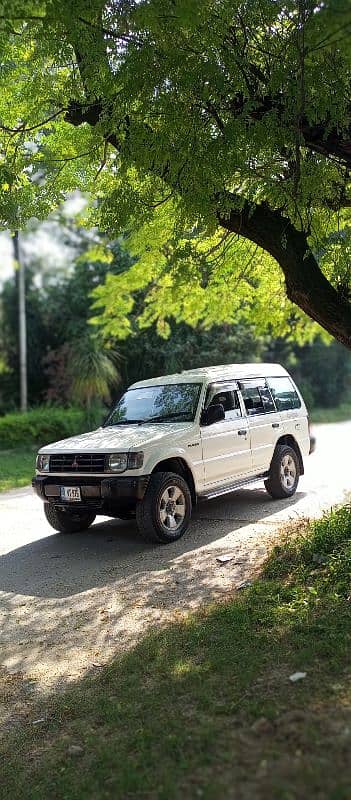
41,425
340,413
205,707
17,467
22,434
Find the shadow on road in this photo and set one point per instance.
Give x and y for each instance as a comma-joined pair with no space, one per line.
58,566
67,601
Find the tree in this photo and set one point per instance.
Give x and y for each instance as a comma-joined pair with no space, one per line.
144,357
93,371
230,115
67,359
37,334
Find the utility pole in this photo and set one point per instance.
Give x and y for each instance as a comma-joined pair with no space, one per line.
22,325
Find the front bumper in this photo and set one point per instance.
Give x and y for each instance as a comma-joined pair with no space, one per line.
98,494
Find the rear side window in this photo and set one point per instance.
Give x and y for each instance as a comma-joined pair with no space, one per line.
257,397
284,393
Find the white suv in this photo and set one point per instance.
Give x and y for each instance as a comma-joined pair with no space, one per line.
173,440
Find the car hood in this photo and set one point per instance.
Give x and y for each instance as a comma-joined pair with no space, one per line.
119,438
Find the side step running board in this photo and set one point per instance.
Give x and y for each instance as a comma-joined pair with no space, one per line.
233,486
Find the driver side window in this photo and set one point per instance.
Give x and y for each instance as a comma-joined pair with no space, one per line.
230,402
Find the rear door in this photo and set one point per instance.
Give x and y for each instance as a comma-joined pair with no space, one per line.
226,444
292,410
264,421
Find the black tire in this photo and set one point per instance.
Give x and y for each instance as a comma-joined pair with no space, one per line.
149,512
277,483
68,521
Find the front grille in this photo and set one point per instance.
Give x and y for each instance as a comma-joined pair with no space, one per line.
77,462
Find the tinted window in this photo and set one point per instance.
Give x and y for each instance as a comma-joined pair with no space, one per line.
176,402
230,403
284,394
267,399
252,399
257,397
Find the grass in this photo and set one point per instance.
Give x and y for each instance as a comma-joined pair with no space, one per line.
340,413
204,707
17,467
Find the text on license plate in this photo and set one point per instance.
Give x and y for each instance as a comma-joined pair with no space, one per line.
70,493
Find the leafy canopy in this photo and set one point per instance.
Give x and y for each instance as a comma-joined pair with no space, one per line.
200,280
168,113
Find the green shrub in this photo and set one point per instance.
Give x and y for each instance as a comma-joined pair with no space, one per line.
45,424
320,556
340,413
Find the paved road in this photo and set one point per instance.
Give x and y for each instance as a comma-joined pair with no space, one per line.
69,603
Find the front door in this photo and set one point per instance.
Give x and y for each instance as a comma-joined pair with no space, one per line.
226,444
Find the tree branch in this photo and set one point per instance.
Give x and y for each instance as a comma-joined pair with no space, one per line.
23,129
319,138
110,34
305,283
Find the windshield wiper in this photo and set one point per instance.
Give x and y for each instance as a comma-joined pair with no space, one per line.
165,417
160,418
124,422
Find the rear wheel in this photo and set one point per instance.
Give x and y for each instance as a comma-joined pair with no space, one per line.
284,473
164,514
68,521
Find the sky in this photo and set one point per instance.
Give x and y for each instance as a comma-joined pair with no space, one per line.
43,241
6,266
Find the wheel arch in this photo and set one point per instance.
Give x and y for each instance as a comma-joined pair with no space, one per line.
178,465
289,440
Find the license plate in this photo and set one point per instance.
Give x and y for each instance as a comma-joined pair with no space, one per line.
71,494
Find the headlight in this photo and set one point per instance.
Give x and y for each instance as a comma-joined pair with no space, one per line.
119,462
43,463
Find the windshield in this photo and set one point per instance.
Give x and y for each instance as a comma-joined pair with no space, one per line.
175,402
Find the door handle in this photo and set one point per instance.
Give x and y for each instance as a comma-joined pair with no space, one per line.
275,424
242,432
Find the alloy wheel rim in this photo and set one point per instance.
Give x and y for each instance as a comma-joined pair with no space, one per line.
288,471
172,508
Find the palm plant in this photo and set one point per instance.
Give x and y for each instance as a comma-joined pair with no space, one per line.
93,369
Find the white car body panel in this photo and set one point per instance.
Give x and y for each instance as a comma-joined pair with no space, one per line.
295,423
225,452
264,438
115,438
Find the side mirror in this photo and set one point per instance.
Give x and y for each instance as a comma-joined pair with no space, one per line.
213,414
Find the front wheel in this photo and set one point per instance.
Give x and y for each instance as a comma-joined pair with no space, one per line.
164,514
284,473
68,521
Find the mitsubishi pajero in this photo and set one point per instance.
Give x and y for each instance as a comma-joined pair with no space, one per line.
173,440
